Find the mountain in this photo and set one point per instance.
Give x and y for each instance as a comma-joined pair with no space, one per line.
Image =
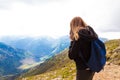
43,48
10,59
60,67
39,46
54,63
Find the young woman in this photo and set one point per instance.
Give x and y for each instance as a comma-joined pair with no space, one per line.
81,36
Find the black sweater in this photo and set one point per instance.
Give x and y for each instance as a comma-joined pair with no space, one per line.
83,44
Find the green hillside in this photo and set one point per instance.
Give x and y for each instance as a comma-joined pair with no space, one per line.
113,51
61,67
61,61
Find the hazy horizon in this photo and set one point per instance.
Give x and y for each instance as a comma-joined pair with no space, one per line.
52,18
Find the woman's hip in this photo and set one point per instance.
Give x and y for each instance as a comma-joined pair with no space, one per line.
84,75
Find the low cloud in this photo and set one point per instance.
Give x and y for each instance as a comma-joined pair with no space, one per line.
28,61
30,15
5,4
110,28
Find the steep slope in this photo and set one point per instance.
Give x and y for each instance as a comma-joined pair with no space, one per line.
110,72
39,46
113,51
10,59
56,62
60,67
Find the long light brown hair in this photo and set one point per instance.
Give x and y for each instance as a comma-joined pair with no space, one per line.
76,24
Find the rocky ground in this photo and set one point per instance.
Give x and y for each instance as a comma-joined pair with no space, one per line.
110,72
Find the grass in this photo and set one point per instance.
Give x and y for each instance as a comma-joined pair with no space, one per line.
60,67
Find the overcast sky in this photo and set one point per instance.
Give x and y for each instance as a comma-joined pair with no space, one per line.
52,17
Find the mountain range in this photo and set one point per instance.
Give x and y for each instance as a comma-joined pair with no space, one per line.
60,67
10,59
19,53
40,46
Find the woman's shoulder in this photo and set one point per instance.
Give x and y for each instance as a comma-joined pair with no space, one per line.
83,31
86,30
88,33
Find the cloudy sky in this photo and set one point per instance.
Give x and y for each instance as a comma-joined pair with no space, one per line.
52,17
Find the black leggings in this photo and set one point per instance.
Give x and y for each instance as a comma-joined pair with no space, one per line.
84,75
